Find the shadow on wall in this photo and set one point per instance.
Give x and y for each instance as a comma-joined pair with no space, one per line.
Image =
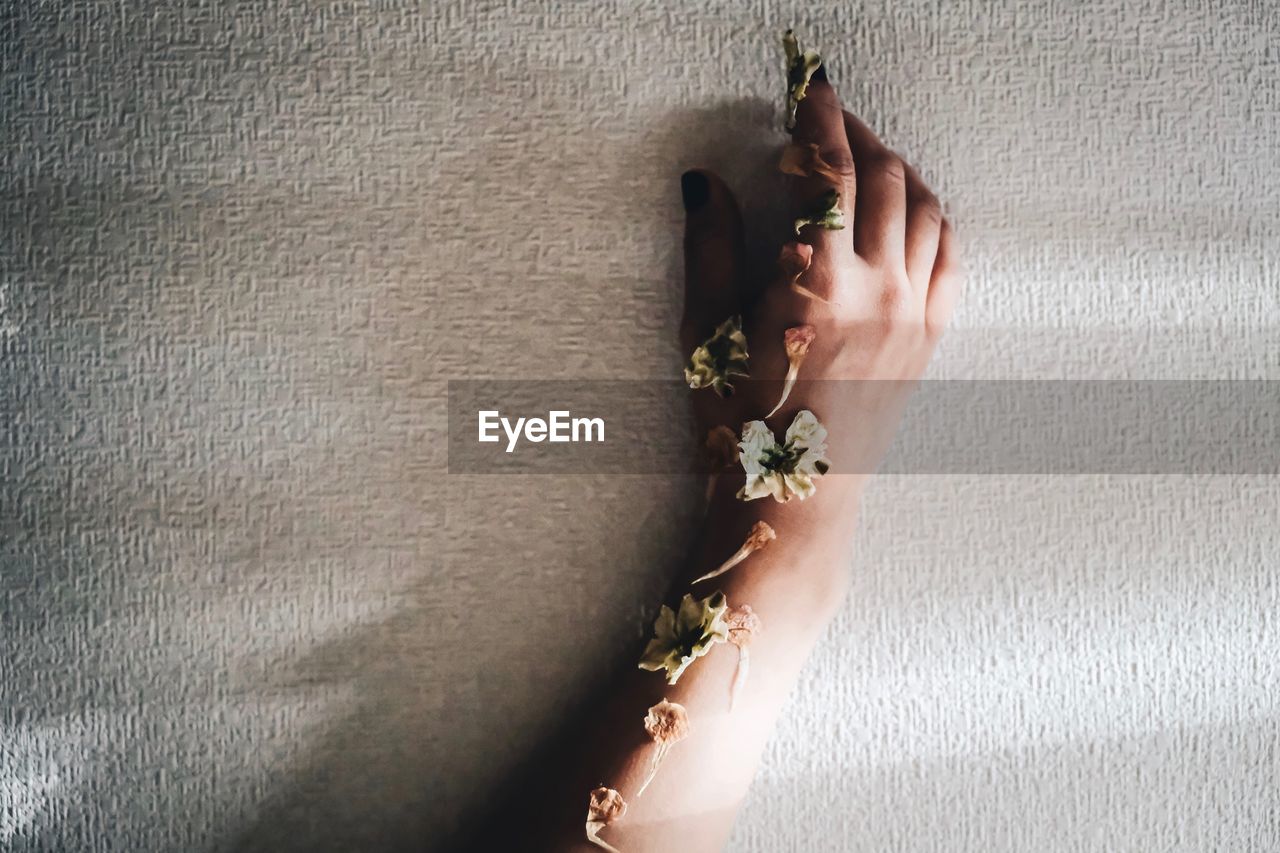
423,753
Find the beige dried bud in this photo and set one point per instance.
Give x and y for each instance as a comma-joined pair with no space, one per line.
761,534
603,808
668,724
793,261
721,449
743,625
804,160
606,805
795,258
795,341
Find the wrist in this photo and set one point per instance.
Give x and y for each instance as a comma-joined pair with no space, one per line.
809,560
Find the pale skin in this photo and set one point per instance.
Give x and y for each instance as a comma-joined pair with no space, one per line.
891,278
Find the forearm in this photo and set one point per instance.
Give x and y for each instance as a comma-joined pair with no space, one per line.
795,585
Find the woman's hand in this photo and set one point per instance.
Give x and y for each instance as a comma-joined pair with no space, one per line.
876,295
881,289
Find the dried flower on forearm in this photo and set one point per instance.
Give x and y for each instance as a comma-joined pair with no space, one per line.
783,470
668,724
800,68
721,448
719,358
796,340
828,215
605,806
744,625
761,535
804,160
682,637
720,453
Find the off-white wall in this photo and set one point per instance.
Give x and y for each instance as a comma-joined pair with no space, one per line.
246,244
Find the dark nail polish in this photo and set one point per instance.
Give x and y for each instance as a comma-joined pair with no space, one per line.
695,189
820,73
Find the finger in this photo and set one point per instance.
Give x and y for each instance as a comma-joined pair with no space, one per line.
819,122
713,248
881,211
944,283
923,230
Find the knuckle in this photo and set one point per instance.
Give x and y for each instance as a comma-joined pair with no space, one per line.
926,206
934,326
840,161
892,299
889,167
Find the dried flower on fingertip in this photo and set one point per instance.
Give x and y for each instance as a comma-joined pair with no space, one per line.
796,340
800,68
668,724
761,535
827,214
804,160
719,359
605,806
785,470
743,625
681,637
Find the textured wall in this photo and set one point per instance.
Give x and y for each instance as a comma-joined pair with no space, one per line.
246,243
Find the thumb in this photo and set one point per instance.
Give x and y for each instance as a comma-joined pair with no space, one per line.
713,248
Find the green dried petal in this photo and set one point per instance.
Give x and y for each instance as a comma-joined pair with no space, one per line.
720,358
800,68
829,215
683,637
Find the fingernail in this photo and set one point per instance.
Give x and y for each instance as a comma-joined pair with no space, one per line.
695,189
820,73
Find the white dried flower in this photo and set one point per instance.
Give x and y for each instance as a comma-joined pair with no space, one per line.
783,470
683,637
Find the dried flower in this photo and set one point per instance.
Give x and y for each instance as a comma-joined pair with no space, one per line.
668,724
681,638
800,67
796,340
793,260
605,806
720,453
761,534
743,624
721,448
785,470
828,215
719,358
804,159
